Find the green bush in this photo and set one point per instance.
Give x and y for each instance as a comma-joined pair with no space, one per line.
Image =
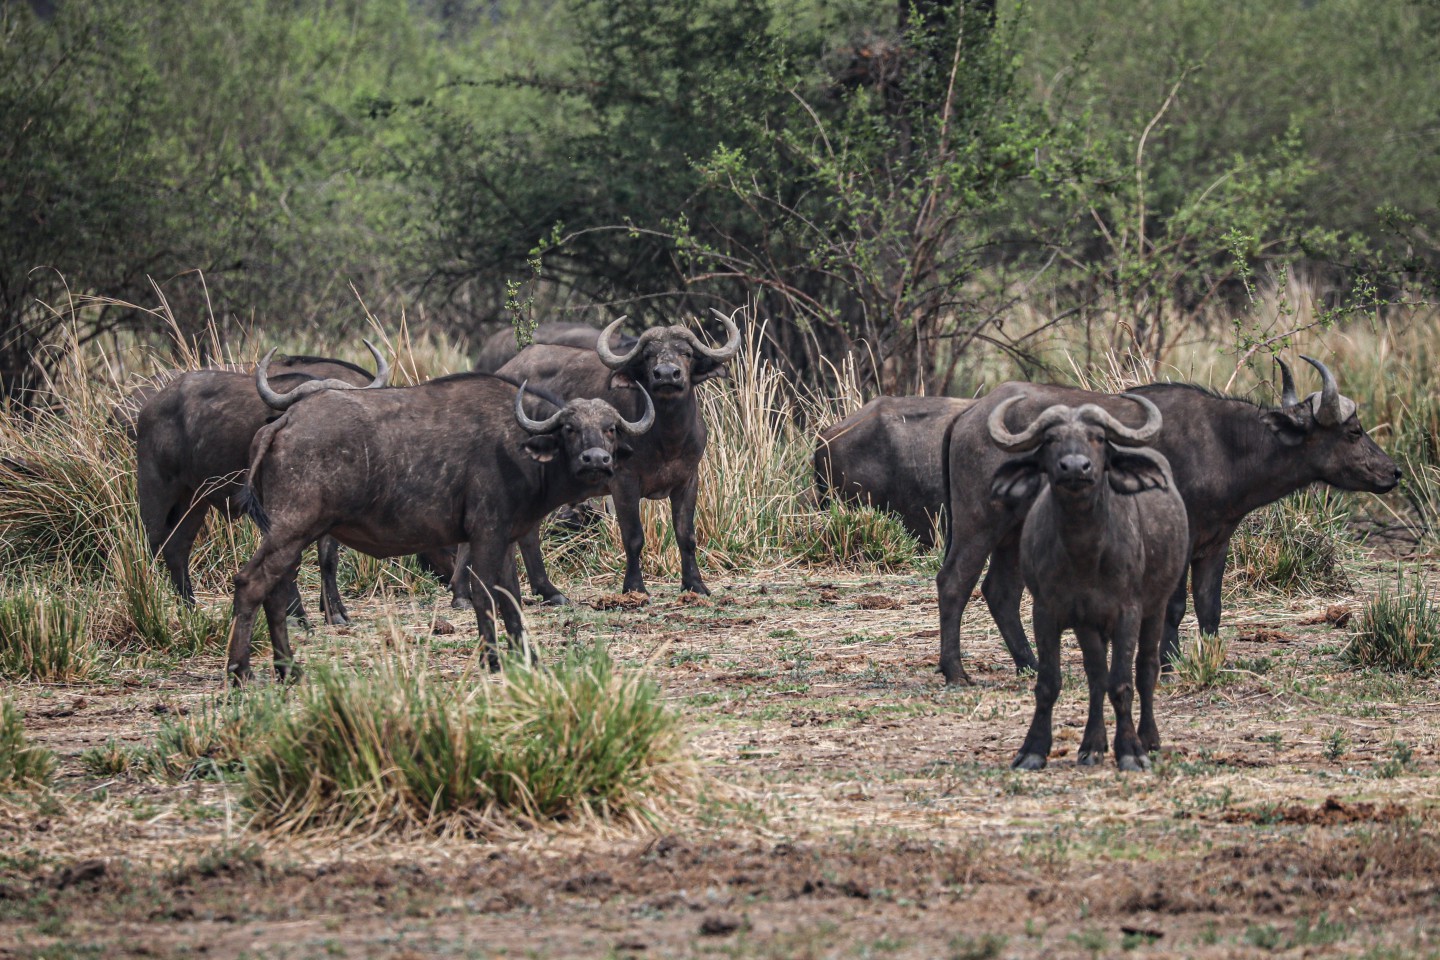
1398,630
42,636
22,767
403,748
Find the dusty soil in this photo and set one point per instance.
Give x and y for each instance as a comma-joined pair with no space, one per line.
859,807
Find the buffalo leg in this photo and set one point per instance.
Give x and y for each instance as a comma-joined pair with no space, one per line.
682,515
171,526
460,579
276,609
1035,752
535,570
1147,672
486,573
1002,589
327,551
1208,579
267,571
1093,744
956,579
626,494
1129,754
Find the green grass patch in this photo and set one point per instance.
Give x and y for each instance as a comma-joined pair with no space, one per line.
1398,630
22,766
42,635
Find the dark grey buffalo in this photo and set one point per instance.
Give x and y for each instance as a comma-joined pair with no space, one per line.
887,455
500,347
192,447
406,470
1229,457
669,363
1101,550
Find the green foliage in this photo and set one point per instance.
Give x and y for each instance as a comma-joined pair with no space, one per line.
403,747
22,766
42,635
845,535
1399,629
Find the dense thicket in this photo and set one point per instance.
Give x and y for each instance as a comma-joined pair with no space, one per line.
893,174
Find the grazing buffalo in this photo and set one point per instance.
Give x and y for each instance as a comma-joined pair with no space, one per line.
398,471
1101,550
500,347
1228,456
887,455
191,449
669,363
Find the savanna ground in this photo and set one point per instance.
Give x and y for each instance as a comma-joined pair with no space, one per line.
856,806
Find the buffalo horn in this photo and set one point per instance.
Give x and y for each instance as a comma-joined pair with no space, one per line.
1287,385
1328,412
645,422
283,401
534,426
1115,431
1032,435
721,353
611,359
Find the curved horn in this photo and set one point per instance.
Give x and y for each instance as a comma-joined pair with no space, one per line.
609,357
1287,385
722,353
646,421
533,426
1119,434
262,383
382,369
1328,413
1030,437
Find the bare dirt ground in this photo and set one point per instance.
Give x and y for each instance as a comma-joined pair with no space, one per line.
859,807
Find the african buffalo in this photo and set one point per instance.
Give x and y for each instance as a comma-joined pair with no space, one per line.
500,347
397,471
669,363
1101,550
191,449
1229,457
887,455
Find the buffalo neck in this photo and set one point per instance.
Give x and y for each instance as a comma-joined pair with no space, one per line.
673,419
1082,524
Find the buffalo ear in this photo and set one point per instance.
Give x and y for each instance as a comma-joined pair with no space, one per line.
623,451
1017,481
542,448
1290,425
1131,471
620,380
706,369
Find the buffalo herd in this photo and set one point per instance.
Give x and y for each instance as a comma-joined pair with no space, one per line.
1100,504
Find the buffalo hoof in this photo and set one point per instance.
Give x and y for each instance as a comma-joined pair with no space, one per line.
557,600
957,677
696,587
288,672
1131,763
337,620
238,674
1027,669
1028,761
1089,758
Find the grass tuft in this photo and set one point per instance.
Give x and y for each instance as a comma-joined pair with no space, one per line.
42,636
1296,546
213,741
1398,630
1201,663
22,766
403,748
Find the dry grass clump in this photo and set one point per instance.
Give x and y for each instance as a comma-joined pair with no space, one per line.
404,748
1398,630
1201,663
42,635
22,767
1296,546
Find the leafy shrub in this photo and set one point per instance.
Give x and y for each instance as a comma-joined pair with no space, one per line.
22,766
42,636
403,748
1398,630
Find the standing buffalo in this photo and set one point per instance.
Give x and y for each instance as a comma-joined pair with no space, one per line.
1101,551
397,471
191,449
887,455
668,363
500,347
1229,457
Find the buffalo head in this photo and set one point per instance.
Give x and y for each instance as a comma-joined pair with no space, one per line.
668,361
588,433
1325,429
1076,447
